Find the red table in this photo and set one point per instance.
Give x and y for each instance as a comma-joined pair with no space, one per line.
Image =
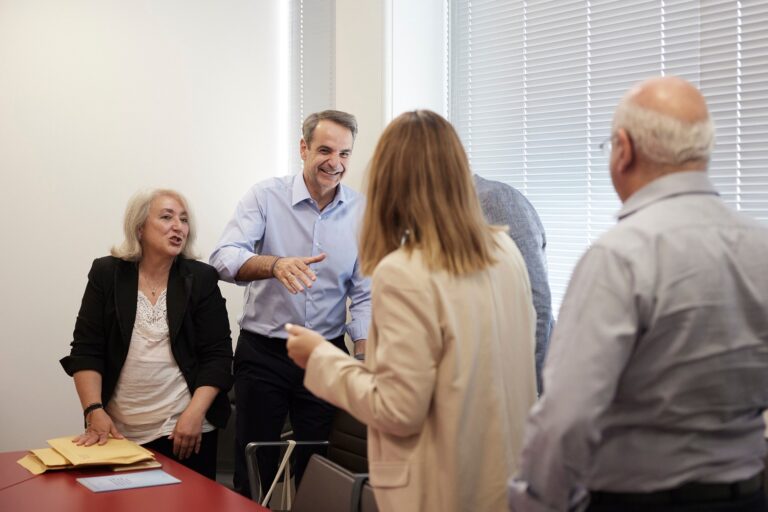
10,472
20,491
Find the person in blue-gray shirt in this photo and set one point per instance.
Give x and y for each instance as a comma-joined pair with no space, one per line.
505,205
292,242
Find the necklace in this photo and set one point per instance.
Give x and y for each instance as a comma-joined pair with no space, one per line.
152,287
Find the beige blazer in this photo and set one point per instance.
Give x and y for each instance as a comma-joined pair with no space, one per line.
446,385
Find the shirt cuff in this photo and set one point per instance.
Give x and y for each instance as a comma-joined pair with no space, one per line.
520,500
229,261
358,329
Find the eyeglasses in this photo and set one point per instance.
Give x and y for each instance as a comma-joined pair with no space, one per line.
605,146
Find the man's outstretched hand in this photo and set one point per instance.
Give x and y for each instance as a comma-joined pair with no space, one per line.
295,273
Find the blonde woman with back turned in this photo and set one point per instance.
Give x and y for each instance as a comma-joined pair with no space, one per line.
449,372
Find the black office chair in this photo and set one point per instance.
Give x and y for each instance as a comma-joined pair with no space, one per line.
348,443
225,458
367,499
347,456
258,493
328,487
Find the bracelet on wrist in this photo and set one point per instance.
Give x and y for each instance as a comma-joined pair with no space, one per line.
272,268
88,410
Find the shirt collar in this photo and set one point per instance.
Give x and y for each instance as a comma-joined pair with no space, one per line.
300,192
670,185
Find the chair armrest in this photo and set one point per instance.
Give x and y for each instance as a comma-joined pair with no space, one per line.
257,493
357,490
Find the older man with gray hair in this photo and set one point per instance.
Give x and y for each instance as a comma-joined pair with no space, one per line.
658,369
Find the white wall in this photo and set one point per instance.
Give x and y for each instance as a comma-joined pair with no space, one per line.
97,99
361,75
390,57
418,56
100,98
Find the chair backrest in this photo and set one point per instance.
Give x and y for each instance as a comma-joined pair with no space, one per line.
346,463
252,464
328,487
225,456
367,500
347,443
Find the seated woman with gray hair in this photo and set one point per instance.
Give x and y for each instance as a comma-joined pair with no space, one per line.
152,353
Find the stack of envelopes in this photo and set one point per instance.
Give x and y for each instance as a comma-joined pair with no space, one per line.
121,454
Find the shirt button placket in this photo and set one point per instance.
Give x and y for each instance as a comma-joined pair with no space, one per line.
310,309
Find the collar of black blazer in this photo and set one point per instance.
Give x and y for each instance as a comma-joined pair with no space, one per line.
127,289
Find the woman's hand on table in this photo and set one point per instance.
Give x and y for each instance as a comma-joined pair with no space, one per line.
100,428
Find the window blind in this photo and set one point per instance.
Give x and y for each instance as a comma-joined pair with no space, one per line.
533,85
313,65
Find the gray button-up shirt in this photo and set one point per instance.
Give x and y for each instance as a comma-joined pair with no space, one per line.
505,205
658,368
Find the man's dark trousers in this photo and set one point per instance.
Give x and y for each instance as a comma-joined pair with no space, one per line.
269,386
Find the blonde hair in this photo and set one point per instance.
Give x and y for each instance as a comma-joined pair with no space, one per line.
136,213
421,196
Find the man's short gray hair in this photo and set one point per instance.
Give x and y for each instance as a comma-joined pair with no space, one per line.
662,138
348,121
136,214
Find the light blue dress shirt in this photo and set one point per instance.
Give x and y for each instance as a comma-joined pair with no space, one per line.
278,217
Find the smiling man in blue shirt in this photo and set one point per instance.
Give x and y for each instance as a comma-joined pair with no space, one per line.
292,243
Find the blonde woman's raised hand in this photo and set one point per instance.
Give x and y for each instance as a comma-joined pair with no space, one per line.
301,343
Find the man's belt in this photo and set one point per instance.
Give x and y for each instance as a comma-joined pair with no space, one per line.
686,493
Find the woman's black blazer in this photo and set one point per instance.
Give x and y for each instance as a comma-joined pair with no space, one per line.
197,320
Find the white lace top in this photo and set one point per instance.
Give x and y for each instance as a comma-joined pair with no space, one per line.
151,392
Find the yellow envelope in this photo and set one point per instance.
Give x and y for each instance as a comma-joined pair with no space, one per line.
147,464
32,464
51,458
115,451
40,460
